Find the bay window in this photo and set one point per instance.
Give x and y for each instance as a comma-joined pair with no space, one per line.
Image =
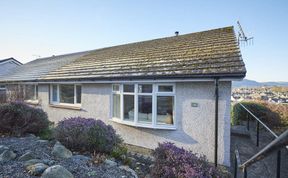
67,94
144,105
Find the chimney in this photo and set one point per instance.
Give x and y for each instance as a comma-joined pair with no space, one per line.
176,33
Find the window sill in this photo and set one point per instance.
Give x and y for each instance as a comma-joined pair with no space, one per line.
32,102
63,106
142,125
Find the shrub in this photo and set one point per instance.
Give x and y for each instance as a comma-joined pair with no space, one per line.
259,109
18,118
81,134
172,161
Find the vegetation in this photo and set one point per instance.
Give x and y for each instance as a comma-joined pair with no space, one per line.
81,134
274,115
172,161
18,118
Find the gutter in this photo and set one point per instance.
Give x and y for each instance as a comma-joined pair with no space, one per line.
216,121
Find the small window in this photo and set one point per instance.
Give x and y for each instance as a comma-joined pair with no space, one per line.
66,94
145,88
116,105
30,92
116,87
129,88
2,87
165,110
145,109
165,88
128,104
78,94
54,93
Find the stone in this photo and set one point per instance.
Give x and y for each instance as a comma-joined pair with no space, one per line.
80,159
57,171
48,162
3,148
32,161
151,166
127,169
110,163
27,156
37,169
7,155
61,151
42,141
148,176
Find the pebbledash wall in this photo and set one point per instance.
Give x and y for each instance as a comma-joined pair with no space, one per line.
195,125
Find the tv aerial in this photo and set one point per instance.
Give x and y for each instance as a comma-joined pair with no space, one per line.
242,38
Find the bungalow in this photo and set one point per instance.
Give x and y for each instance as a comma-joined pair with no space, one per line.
174,89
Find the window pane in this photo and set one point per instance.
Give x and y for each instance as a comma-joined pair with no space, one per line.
29,92
116,105
165,88
54,93
129,88
116,88
67,94
145,88
145,109
36,92
128,106
78,93
165,109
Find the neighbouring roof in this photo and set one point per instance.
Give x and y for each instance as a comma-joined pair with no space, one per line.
212,53
10,59
34,70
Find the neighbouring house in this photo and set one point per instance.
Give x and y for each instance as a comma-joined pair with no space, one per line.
5,66
174,89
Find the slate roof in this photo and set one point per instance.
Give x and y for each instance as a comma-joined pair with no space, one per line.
36,69
212,53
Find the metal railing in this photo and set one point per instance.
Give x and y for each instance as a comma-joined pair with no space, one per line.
260,154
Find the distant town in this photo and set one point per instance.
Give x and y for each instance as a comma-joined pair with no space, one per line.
270,94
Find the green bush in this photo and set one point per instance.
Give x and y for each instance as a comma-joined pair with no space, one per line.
17,118
260,110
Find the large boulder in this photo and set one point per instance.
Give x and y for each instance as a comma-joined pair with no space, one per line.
26,156
3,148
37,169
7,155
57,171
61,151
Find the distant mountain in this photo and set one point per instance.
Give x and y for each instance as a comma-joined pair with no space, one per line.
252,83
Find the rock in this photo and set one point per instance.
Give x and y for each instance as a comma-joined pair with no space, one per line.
32,161
148,176
126,168
42,141
37,169
60,151
7,156
80,159
3,148
27,156
31,135
151,166
110,163
56,171
48,162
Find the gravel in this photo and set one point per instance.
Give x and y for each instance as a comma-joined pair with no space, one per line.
78,166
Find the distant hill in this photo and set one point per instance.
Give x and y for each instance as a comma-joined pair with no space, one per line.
252,83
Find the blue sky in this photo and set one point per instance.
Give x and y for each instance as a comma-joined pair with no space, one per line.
33,28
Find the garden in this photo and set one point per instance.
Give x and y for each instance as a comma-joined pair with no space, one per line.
32,146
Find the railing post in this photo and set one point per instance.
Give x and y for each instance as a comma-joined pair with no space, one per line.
236,167
248,119
278,163
257,129
245,172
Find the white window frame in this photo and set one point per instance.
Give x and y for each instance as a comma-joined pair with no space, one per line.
58,96
35,92
154,95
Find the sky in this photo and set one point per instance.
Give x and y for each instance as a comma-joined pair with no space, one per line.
36,28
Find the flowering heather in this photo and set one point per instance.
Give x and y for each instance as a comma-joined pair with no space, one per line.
86,134
172,161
